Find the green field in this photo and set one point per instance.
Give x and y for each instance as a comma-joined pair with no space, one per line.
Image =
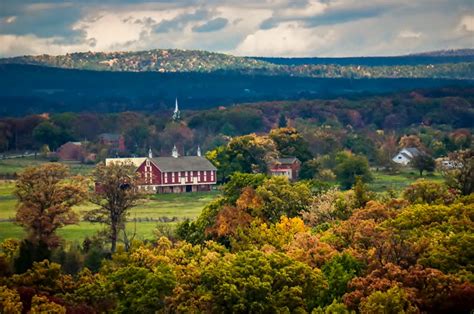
144,230
16,165
398,182
156,208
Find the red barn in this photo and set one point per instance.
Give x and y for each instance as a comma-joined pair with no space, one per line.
176,174
288,167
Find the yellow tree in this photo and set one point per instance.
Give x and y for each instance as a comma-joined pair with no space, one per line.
46,195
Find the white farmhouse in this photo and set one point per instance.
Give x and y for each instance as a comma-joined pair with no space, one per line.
406,155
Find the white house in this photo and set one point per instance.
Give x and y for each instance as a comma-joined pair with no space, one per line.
406,155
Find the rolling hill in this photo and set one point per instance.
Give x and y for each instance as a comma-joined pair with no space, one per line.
178,61
150,80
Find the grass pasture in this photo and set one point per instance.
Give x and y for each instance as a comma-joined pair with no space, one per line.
398,182
16,165
77,233
153,210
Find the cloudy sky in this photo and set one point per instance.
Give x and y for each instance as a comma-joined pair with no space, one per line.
241,27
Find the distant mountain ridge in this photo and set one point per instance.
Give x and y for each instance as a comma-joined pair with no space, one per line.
197,61
447,53
157,60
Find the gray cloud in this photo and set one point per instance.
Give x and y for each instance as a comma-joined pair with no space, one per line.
45,20
347,27
181,21
212,25
331,16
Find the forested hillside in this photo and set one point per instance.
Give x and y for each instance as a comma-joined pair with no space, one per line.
202,61
27,89
439,119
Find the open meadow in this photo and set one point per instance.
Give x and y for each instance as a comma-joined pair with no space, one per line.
383,181
16,165
154,210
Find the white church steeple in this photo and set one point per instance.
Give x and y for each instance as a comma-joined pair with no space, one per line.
150,153
174,152
199,151
176,113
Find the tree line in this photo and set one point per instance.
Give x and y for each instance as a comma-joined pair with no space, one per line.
440,119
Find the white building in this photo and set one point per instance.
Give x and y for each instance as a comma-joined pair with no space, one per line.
406,155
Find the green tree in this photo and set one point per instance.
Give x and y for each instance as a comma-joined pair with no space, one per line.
238,182
252,281
246,154
141,290
290,143
422,163
393,301
281,197
116,193
430,192
310,169
349,166
338,272
361,193
50,134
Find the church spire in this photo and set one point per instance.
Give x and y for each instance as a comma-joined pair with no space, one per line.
176,113
199,151
174,152
150,153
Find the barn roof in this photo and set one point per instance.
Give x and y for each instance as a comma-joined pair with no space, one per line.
287,160
183,163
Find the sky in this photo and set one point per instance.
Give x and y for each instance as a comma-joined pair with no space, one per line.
287,28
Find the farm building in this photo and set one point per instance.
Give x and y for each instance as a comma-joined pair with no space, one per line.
406,155
288,167
175,174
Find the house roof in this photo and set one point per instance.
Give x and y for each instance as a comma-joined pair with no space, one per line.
287,160
183,163
109,136
413,150
134,161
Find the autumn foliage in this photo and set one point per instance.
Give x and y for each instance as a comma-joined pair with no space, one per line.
270,246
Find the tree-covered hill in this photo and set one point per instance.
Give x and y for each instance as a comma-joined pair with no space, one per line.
158,60
28,89
174,60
